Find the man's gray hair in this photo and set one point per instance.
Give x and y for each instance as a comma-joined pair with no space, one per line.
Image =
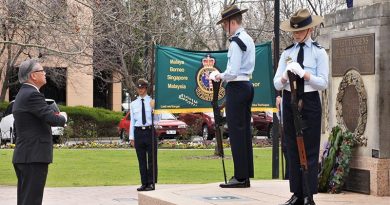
25,69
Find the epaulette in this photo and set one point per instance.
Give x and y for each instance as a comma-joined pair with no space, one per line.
317,44
239,42
290,46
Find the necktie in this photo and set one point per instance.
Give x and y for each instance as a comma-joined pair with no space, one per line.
143,112
300,81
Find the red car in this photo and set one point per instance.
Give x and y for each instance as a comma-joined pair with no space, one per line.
124,126
262,121
202,123
167,126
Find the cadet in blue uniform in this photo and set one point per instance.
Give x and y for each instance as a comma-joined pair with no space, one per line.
239,95
141,136
310,62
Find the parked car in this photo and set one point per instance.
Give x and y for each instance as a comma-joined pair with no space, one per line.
202,123
262,121
166,125
7,131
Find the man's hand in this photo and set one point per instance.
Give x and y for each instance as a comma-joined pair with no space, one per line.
215,76
296,68
152,103
63,114
278,101
132,143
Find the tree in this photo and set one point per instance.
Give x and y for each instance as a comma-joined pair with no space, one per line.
42,29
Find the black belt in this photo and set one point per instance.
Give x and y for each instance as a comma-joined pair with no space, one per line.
144,127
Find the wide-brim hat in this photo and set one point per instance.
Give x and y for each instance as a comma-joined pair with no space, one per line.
231,11
301,20
142,83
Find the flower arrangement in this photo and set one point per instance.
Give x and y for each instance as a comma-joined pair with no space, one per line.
335,161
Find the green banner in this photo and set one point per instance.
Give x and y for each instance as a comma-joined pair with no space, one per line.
182,83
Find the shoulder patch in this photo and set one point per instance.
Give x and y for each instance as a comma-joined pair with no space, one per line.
317,44
239,42
288,47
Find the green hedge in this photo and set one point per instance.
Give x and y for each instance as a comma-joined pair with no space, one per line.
91,123
3,106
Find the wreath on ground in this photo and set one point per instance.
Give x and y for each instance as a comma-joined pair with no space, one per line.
335,161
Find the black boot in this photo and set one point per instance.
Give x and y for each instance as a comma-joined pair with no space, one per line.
142,188
150,187
308,201
294,200
234,183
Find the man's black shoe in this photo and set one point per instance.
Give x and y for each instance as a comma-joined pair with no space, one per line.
234,183
142,188
150,187
308,201
294,200
247,182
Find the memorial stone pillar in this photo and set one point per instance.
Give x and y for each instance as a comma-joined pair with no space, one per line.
358,99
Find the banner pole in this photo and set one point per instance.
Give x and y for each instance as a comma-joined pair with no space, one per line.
154,143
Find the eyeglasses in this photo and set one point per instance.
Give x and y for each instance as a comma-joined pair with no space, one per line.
39,71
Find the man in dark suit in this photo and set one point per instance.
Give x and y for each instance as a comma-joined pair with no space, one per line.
34,144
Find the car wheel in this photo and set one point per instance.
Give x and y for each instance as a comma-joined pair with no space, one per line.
270,133
205,132
12,135
56,139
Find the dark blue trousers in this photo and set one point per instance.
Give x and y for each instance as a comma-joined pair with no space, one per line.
311,115
31,182
143,147
239,97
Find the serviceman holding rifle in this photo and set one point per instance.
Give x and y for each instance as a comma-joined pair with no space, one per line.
302,71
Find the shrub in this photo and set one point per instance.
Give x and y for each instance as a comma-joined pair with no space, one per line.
90,123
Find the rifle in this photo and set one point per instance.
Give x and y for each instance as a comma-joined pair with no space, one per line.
296,106
218,124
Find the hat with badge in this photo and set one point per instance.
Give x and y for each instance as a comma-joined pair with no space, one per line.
142,83
301,20
230,11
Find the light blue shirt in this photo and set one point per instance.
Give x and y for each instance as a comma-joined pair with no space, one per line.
240,63
315,61
136,114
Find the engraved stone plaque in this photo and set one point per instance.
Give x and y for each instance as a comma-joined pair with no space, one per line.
350,105
358,180
353,52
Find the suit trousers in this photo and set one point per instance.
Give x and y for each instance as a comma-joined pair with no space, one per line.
143,147
311,115
239,97
31,182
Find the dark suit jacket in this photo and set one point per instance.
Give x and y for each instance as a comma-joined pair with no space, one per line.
33,118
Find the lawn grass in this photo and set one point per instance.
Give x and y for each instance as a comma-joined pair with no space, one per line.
106,167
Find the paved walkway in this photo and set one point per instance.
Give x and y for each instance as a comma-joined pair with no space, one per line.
261,192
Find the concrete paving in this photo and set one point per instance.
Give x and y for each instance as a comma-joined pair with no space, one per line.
261,192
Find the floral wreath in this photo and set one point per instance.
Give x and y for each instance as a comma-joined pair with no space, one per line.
335,160
352,77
